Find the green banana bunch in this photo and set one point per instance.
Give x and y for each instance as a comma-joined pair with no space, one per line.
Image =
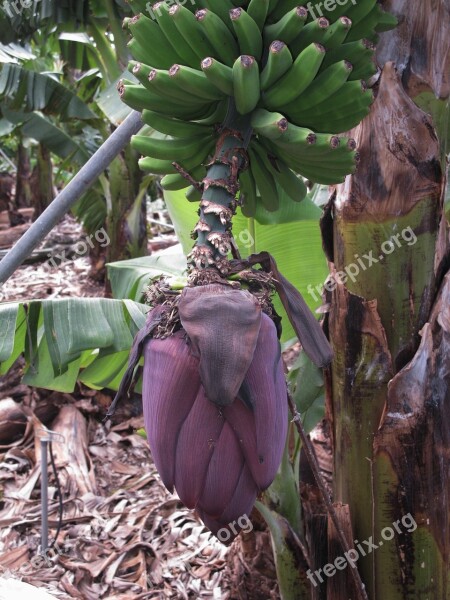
298,74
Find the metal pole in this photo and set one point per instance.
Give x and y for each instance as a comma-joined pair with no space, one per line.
44,495
62,203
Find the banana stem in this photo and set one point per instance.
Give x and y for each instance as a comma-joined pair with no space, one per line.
218,204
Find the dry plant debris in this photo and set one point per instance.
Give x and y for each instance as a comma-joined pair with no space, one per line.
123,536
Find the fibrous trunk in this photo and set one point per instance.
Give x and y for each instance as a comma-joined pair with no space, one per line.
389,326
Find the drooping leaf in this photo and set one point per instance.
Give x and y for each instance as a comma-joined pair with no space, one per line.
43,93
43,130
308,391
129,278
289,561
59,336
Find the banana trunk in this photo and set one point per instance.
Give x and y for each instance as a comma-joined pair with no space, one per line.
390,377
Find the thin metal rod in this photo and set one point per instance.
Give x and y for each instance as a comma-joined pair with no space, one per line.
82,181
8,160
44,495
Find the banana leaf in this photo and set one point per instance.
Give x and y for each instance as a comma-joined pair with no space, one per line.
67,339
21,87
295,243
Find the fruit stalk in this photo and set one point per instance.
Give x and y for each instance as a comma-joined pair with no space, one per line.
213,232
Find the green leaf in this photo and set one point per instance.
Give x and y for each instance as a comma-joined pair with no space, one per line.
105,369
64,335
296,246
129,278
283,494
110,103
71,327
287,552
308,391
42,373
19,340
440,112
288,211
44,93
41,129
8,316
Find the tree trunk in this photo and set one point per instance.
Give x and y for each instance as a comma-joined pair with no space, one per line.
389,323
23,187
42,181
127,222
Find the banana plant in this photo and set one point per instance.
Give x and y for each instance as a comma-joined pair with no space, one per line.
251,99
249,106
69,113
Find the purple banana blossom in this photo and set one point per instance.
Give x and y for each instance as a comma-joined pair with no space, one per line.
215,409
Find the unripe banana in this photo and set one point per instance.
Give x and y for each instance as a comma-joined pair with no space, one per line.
340,123
248,195
313,32
386,21
138,6
355,52
246,86
172,36
297,79
328,159
366,27
165,166
359,11
220,37
175,127
219,75
325,177
282,133
156,166
264,180
293,185
319,171
271,125
141,72
364,71
279,61
352,99
216,113
159,52
337,33
258,10
222,9
287,28
194,82
193,194
139,98
374,21
313,150
177,149
278,9
194,35
247,32
165,84
323,87
176,82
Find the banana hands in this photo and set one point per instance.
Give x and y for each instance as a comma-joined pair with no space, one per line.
300,77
